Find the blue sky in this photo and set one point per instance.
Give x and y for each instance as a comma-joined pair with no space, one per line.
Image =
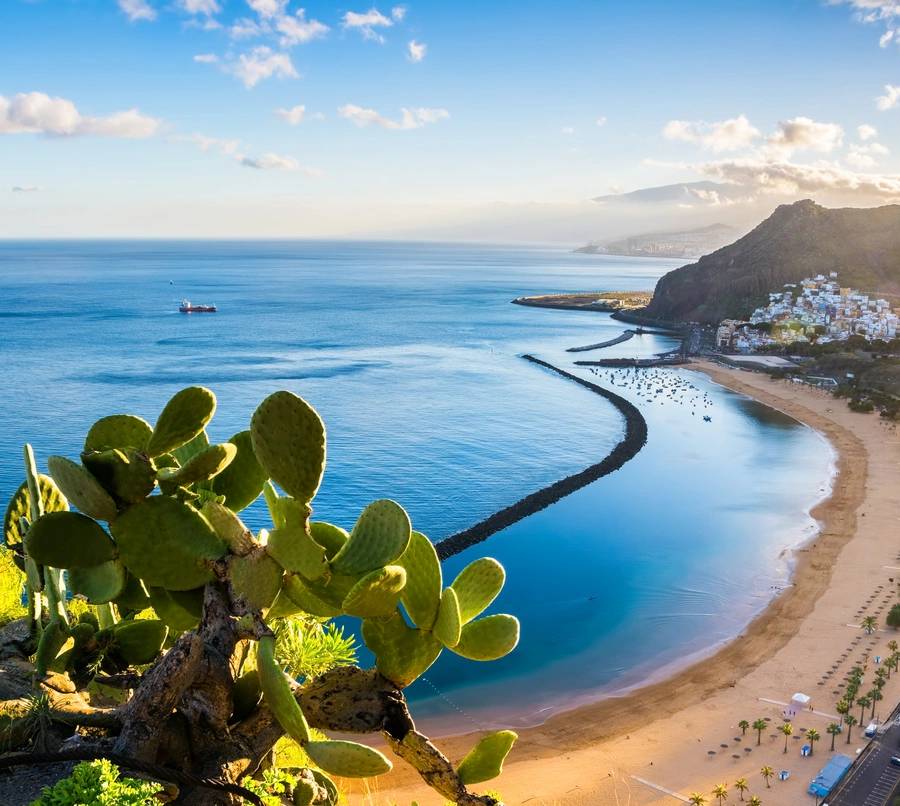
160,117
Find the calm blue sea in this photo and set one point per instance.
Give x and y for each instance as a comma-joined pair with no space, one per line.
411,353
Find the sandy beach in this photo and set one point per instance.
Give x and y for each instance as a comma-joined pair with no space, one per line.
666,740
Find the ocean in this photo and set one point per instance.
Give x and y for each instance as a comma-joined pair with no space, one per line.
412,354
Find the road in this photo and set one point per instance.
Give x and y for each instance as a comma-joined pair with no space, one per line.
871,781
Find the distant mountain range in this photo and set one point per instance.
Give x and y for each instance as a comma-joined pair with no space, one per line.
691,243
798,240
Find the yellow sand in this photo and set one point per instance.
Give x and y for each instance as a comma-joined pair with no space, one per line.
663,732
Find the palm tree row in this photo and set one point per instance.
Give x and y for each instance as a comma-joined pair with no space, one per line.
720,791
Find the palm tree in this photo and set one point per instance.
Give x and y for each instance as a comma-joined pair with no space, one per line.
696,799
863,703
787,729
755,801
843,708
743,725
875,695
759,726
892,645
849,721
812,736
720,791
870,624
741,786
767,772
834,729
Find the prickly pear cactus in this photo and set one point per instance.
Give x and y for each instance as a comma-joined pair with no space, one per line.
156,547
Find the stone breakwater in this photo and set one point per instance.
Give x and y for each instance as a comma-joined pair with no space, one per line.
601,344
628,447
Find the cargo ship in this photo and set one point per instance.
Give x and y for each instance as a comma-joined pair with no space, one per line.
188,307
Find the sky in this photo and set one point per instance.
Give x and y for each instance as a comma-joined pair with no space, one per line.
474,120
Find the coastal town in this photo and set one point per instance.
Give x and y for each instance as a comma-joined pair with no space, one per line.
817,310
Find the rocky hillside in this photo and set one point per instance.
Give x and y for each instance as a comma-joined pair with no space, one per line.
798,240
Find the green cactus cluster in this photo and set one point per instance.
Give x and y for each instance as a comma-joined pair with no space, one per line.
149,515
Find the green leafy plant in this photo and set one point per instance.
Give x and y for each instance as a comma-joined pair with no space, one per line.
192,614
98,783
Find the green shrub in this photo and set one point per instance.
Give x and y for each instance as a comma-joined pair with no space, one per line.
98,783
12,581
893,618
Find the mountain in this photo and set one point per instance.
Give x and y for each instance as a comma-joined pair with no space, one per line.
679,193
666,244
798,240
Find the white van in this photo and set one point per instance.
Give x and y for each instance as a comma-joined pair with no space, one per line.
872,729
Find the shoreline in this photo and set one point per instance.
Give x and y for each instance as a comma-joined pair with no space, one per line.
573,741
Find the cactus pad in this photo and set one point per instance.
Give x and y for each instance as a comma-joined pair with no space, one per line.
485,761
294,550
125,474
18,511
203,466
488,638
401,652
329,536
448,627
133,595
477,585
242,481
82,489
379,537
277,692
422,595
289,442
167,543
256,577
68,540
180,610
100,583
377,593
298,592
183,417
229,527
118,431
139,642
348,759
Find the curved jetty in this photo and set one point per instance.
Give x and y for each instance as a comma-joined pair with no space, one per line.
601,344
635,438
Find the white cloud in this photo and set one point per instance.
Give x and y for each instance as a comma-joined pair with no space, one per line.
601,121
786,178
568,130
24,188
207,7
725,135
864,156
410,118
268,8
261,63
294,115
228,148
297,30
398,13
886,12
866,132
245,28
277,162
137,10
37,113
890,98
805,134
366,22
206,58
416,50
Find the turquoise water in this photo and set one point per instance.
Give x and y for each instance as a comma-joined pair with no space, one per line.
411,353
